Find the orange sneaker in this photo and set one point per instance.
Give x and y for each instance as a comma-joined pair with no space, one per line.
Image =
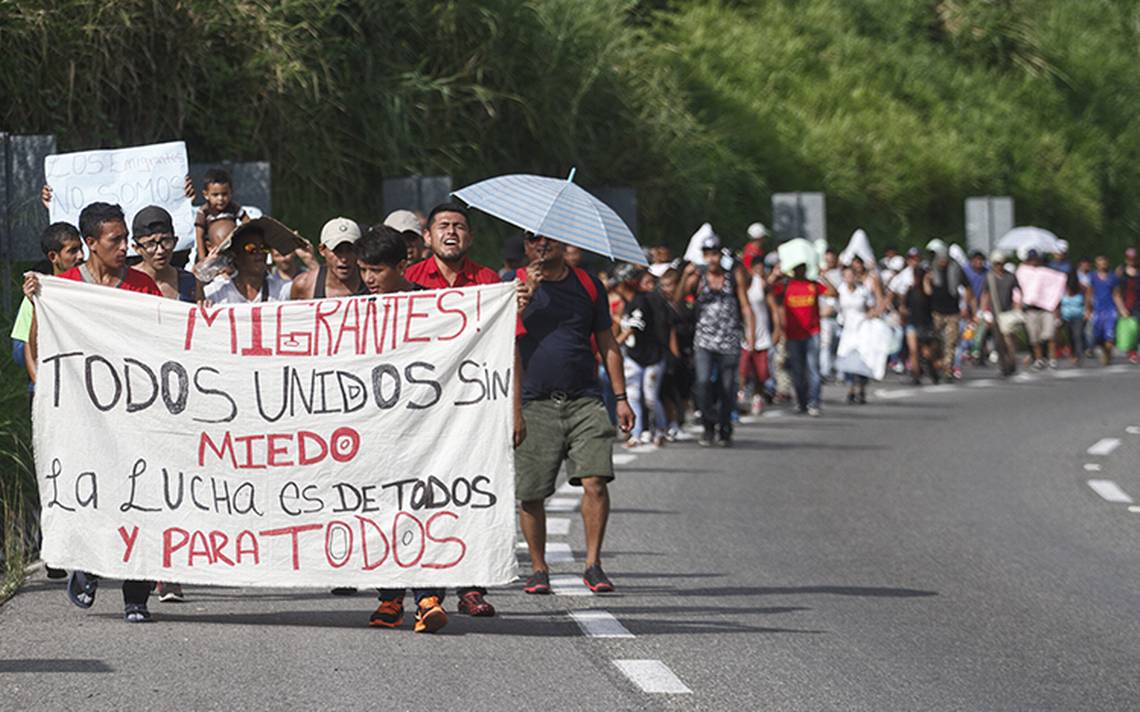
389,614
430,615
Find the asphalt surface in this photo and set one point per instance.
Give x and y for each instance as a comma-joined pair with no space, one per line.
937,549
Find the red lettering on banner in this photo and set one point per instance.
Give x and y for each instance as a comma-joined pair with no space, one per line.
199,547
351,310
209,318
396,540
324,309
256,348
129,540
260,451
369,565
274,450
445,540
302,456
293,343
168,545
412,316
444,310
218,541
253,549
227,447
293,532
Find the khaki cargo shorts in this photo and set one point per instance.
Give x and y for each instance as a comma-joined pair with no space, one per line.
575,430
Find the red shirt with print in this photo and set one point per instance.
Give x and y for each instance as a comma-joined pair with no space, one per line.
135,281
801,307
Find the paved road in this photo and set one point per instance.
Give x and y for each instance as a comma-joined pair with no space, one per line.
940,548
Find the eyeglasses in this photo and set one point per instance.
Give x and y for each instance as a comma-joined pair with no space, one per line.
167,241
252,248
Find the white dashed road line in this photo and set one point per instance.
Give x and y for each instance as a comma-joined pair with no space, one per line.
652,676
1133,430
1104,446
1092,467
557,552
892,395
624,458
1110,491
562,504
557,526
600,624
568,585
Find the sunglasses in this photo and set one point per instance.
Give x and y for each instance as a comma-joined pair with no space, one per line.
253,248
532,238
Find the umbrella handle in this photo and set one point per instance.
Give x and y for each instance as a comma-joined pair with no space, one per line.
570,178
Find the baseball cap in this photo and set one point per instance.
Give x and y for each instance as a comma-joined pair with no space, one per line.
710,242
1032,254
997,256
338,231
914,252
757,231
404,221
151,220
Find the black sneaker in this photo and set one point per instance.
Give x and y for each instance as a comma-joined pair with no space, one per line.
81,588
725,440
55,574
708,437
596,580
343,591
538,583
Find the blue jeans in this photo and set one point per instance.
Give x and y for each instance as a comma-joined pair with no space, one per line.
803,361
726,367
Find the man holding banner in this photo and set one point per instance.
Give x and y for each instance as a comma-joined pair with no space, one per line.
104,229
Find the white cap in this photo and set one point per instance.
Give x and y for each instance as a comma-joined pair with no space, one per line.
757,230
997,256
403,221
339,231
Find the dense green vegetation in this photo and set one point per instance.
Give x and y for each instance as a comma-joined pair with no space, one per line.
897,109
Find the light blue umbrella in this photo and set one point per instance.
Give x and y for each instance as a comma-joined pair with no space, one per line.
558,209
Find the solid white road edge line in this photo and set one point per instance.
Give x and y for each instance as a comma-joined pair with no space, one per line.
652,676
1104,446
600,624
1110,491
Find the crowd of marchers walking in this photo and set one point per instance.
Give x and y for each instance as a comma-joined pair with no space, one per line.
606,352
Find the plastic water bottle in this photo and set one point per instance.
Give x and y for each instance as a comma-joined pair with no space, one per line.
208,269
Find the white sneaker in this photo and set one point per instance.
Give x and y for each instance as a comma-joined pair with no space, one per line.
646,437
814,412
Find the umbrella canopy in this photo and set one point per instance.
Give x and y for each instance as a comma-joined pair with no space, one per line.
1023,239
558,209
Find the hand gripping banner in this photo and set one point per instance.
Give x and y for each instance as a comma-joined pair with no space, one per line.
363,441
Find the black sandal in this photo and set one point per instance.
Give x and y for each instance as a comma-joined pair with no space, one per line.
81,588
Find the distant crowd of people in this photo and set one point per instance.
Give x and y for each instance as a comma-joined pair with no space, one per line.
602,351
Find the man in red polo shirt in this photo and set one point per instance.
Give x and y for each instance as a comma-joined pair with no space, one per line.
104,229
449,237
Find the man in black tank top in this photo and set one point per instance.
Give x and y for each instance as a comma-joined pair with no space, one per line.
338,275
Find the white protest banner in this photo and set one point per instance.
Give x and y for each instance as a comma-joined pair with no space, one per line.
132,178
362,441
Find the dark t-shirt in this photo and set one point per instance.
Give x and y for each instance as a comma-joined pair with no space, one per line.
944,299
918,308
643,315
555,350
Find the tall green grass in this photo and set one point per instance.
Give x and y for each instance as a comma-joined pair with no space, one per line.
19,498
